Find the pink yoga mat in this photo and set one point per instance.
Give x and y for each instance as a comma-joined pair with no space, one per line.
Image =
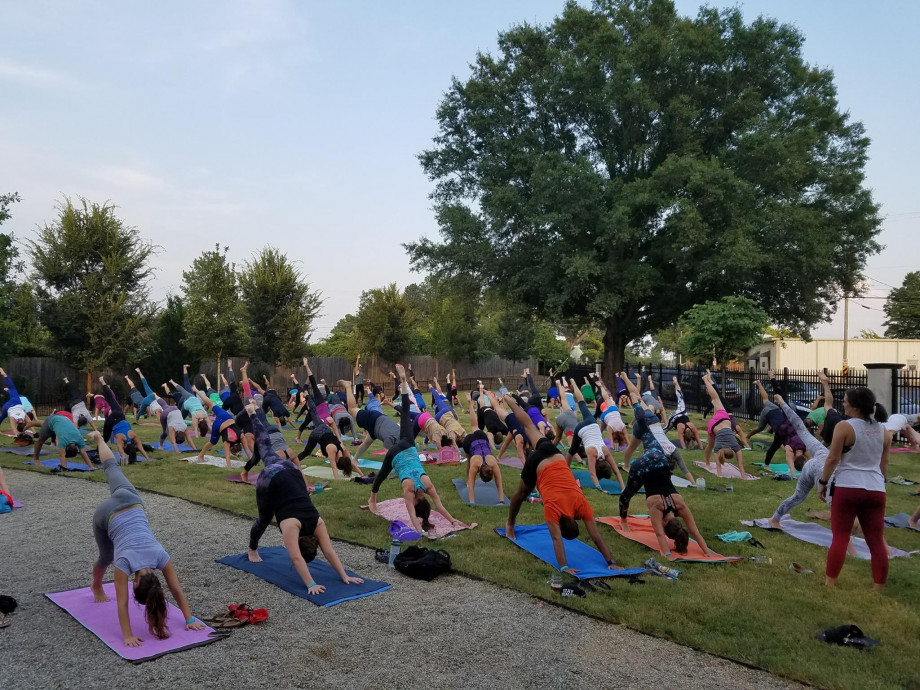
903,450
729,471
102,621
395,509
378,452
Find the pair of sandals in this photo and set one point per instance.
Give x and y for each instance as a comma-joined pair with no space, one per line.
236,616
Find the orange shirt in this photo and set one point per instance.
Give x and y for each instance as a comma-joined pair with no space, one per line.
561,494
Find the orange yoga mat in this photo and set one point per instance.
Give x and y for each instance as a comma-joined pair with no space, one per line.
641,531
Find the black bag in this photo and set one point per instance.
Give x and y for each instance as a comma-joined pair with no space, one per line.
422,564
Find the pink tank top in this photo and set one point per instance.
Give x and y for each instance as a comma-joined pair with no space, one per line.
720,416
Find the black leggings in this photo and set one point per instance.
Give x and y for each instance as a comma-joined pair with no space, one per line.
73,396
117,414
406,441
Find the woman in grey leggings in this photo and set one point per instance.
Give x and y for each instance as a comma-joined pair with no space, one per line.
124,539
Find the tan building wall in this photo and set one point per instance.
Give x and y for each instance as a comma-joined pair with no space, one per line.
793,353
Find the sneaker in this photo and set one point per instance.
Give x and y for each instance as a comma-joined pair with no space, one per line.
58,469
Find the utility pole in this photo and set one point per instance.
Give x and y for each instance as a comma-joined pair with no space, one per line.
846,328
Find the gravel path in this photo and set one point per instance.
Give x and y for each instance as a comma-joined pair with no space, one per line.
453,632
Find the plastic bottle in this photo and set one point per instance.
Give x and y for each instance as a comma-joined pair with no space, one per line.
555,582
672,573
395,548
761,559
700,483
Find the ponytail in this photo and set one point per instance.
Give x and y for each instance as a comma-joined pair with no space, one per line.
864,401
149,593
881,414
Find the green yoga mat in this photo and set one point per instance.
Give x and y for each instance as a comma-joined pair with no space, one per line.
782,468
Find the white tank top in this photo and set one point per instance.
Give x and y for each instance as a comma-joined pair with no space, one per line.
860,467
896,422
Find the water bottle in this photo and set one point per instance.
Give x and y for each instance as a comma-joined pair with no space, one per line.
729,487
700,483
395,547
761,559
652,564
555,583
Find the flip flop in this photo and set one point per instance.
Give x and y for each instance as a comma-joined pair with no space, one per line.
4,621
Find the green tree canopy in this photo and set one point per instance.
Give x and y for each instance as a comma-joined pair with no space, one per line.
215,319
166,351
722,330
385,323
902,309
340,342
625,163
280,307
91,274
9,265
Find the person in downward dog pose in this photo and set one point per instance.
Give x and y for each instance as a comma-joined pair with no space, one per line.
116,428
665,506
679,420
77,406
445,416
809,472
721,435
224,428
172,425
905,424
564,503
403,458
481,461
124,538
146,404
330,446
191,405
647,426
282,494
589,439
566,420
67,438
611,417
13,408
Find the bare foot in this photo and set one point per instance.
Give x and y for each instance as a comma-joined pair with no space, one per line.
99,595
774,523
254,556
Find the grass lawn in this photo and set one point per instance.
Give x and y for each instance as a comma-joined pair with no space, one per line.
766,616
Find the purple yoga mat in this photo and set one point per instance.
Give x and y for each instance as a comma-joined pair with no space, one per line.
239,480
102,621
512,462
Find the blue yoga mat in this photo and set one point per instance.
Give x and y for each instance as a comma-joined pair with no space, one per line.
168,446
589,562
71,465
608,486
276,568
368,464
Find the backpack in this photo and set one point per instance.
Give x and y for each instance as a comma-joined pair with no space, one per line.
421,563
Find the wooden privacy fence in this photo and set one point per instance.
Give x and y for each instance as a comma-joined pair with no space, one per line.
41,378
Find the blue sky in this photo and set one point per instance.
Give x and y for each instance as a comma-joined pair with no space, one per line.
297,124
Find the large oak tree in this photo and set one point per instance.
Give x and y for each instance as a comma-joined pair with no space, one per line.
625,163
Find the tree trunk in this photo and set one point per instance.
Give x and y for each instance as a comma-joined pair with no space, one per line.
614,348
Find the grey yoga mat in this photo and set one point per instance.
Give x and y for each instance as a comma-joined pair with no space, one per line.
817,534
486,493
898,520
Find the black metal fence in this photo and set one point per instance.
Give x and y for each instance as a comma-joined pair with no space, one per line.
740,395
906,393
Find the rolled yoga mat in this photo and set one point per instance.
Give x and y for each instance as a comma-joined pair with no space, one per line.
485,493
536,540
641,531
102,621
816,534
277,569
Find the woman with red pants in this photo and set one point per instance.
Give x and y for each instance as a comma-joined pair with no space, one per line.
858,461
